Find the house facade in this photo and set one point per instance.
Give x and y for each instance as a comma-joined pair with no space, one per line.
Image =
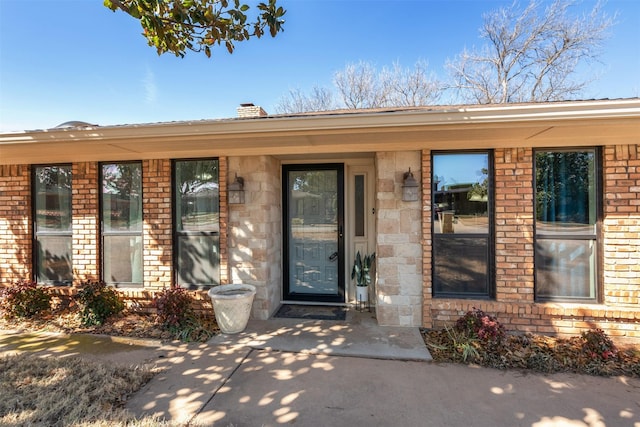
530,212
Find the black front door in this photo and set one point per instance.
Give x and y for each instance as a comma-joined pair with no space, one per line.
313,238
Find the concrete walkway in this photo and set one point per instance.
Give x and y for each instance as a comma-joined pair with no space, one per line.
315,373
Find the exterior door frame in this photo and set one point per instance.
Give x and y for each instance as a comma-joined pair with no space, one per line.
339,297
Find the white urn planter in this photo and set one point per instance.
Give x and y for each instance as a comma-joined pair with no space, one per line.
232,306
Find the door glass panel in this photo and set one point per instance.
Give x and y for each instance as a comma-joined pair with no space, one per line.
359,205
313,225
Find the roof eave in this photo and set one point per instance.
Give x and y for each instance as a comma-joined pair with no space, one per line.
456,116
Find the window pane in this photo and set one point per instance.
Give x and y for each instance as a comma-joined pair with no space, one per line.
565,192
122,197
359,205
122,258
461,193
198,260
460,266
566,216
197,222
197,194
461,199
53,198
54,259
564,268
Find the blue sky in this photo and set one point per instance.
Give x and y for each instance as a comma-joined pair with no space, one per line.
64,60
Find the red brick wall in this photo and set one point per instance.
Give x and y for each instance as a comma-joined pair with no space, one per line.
622,225
514,224
427,242
15,223
16,228
514,304
156,210
84,207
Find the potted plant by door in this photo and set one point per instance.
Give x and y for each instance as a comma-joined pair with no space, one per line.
361,273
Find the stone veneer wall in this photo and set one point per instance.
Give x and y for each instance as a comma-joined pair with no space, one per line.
15,223
255,240
514,305
399,242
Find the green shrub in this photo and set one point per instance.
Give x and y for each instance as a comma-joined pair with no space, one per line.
97,302
174,307
176,314
25,299
478,324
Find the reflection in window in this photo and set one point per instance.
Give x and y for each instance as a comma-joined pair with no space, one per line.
197,222
121,201
461,193
566,216
461,197
52,224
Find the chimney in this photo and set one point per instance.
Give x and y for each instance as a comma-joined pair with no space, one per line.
249,110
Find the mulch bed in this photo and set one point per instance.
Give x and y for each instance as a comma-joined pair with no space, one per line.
126,324
537,353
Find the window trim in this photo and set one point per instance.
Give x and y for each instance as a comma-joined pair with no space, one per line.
596,237
490,235
120,233
35,233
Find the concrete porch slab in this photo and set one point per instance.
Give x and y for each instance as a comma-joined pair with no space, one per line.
358,336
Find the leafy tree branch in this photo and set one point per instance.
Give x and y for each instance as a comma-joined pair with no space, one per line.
177,26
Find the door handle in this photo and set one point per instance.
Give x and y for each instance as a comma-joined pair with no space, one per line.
333,256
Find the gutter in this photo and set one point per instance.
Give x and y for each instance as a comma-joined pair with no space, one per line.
317,123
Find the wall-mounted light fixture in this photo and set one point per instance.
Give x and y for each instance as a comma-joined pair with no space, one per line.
236,191
409,187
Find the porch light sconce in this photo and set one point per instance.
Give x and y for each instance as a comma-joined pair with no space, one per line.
409,187
236,191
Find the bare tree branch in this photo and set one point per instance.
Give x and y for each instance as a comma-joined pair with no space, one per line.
295,101
532,54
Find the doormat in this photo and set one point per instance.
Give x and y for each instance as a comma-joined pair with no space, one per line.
313,312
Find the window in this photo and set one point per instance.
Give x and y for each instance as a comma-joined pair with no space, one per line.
462,225
196,223
121,206
359,205
567,212
52,224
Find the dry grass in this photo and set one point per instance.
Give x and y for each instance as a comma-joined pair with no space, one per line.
68,391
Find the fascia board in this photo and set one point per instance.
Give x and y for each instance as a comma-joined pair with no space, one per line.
318,124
